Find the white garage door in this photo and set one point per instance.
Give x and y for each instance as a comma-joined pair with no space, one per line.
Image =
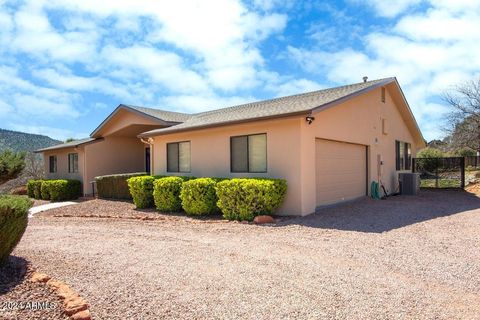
341,171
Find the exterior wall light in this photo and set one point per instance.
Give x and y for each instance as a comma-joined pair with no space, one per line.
310,119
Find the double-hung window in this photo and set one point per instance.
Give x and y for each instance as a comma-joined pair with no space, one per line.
248,153
52,160
178,156
73,162
403,155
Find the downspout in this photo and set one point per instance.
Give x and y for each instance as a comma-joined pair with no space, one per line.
150,142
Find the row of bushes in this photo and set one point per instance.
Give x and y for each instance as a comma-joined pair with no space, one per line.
13,222
115,186
55,190
237,199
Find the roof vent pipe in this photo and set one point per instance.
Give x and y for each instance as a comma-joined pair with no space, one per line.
365,79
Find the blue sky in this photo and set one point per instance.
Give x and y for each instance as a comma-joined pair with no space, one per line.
65,65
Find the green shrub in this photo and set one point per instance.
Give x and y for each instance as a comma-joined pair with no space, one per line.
166,194
61,190
13,222
198,196
34,188
115,186
430,152
141,189
465,152
244,199
45,190
11,165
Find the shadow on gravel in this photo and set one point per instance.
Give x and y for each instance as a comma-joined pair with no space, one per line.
12,273
376,216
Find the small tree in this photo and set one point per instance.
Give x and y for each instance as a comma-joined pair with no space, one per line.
430,152
34,167
465,152
11,165
464,119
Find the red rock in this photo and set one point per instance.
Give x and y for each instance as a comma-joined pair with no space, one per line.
263,219
75,304
65,292
39,277
82,315
55,284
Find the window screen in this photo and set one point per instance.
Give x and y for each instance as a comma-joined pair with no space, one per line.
239,154
178,157
53,164
72,162
403,155
408,156
257,153
249,153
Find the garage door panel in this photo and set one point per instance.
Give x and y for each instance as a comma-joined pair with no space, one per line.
340,171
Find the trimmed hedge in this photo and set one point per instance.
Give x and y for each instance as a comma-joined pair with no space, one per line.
55,190
115,186
141,189
45,190
244,199
60,190
166,194
34,188
13,222
198,196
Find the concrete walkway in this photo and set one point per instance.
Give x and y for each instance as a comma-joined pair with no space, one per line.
48,206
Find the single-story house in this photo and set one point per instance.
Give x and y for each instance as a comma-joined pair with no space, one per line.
329,144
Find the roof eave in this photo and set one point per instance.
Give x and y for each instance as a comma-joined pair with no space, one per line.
352,95
94,134
421,140
68,146
161,132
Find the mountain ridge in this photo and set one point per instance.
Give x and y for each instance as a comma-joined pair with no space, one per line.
22,141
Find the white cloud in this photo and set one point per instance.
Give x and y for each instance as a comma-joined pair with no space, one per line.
36,36
428,53
441,24
391,8
68,81
196,103
295,86
43,108
5,109
162,67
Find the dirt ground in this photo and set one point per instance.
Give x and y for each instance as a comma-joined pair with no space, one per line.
412,257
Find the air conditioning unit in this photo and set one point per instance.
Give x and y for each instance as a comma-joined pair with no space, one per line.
409,183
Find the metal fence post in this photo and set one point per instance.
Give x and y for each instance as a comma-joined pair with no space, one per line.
413,165
462,170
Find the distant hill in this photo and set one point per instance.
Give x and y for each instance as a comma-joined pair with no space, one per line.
21,141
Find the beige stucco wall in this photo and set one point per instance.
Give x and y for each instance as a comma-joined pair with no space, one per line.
291,146
124,119
62,164
109,156
210,153
113,155
358,120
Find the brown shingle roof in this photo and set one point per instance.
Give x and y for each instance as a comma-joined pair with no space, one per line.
168,116
71,144
270,108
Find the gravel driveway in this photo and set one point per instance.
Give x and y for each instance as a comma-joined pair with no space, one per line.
406,257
